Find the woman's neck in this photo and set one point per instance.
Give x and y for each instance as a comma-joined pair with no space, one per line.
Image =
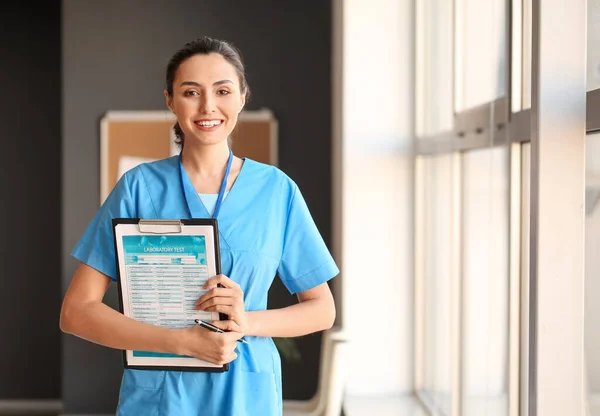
205,161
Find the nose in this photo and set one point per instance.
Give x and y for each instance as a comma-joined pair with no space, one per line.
207,104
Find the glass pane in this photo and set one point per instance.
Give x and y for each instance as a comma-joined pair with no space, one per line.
521,55
437,256
593,45
517,56
592,271
525,240
485,281
527,26
436,48
481,66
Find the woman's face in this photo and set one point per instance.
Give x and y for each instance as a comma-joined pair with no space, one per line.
207,98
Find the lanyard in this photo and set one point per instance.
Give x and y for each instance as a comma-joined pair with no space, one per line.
193,201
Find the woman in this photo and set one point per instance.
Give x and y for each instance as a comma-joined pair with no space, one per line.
265,229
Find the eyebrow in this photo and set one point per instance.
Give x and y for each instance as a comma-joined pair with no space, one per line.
195,84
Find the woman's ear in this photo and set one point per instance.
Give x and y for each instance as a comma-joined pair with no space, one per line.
243,103
169,101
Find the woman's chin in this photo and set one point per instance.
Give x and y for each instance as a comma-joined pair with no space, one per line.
205,139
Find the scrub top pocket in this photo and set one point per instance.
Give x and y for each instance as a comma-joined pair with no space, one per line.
260,393
141,386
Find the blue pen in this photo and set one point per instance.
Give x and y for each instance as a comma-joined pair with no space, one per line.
213,328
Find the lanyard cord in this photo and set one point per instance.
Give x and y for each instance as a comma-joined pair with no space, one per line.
221,195
223,186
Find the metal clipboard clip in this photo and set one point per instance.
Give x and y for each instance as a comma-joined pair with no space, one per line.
160,226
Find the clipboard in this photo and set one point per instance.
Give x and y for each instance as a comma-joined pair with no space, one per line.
161,266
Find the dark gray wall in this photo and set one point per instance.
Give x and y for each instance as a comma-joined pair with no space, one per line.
30,215
114,57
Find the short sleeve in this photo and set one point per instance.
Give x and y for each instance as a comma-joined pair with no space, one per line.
306,262
96,248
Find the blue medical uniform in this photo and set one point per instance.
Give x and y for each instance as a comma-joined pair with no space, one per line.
265,229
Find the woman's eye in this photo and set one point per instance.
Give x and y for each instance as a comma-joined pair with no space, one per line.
223,92
191,92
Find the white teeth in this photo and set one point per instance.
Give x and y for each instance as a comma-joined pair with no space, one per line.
208,123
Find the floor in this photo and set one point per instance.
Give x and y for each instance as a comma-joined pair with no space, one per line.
409,406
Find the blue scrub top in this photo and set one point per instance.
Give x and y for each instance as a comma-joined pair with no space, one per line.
265,229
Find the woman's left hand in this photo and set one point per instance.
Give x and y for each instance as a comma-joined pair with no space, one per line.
228,300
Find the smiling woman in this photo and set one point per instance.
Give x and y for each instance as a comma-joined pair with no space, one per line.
265,230
185,91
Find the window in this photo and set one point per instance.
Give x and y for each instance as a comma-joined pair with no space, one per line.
435,72
437,280
485,281
481,52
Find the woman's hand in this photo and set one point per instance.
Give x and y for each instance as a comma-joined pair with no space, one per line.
228,300
209,346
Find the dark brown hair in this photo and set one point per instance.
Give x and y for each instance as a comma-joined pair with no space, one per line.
205,46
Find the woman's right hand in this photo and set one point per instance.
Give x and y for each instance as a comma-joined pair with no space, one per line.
214,347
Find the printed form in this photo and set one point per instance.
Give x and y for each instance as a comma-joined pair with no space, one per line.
165,275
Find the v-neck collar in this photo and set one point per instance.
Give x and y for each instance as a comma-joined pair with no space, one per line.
196,208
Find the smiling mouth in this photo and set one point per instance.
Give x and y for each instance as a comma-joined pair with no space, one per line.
209,124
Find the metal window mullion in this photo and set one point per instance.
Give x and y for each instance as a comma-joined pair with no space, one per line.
500,130
524,271
456,313
421,117
520,126
557,200
514,280
593,111
419,216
